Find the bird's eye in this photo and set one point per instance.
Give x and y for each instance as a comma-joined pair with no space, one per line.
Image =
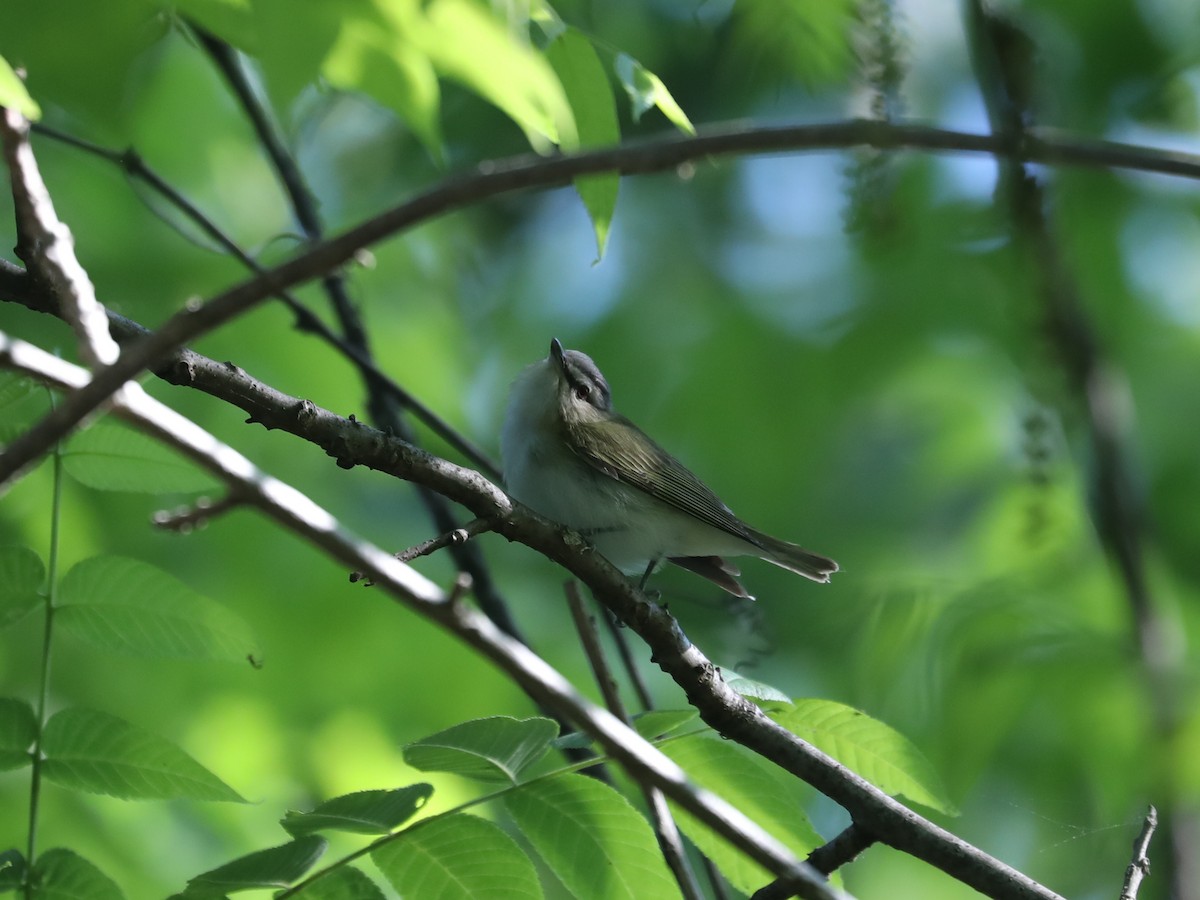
582,392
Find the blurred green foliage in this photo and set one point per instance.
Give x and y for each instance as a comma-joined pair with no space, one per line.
885,393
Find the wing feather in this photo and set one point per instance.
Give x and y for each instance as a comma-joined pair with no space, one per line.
622,451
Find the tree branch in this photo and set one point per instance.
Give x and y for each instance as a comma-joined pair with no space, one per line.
295,512
494,178
353,443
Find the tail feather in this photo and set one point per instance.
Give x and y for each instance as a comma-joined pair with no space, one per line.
796,559
720,572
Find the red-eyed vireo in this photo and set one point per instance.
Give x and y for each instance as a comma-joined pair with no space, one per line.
570,457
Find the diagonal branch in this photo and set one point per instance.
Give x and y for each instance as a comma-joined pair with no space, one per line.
295,512
494,178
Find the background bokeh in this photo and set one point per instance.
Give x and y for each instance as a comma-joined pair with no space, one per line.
856,365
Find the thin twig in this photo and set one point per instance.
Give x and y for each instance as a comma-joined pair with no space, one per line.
670,841
617,632
826,859
1139,865
446,539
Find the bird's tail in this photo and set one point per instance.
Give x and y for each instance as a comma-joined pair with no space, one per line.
795,558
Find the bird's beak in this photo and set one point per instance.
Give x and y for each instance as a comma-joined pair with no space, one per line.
556,352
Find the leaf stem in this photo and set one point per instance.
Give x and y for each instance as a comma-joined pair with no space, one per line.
35,777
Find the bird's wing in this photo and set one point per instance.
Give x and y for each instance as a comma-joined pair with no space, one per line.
621,450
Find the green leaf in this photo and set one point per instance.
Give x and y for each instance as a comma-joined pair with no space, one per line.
342,883
93,751
65,875
458,857
111,457
498,748
375,52
469,44
592,839
22,575
658,722
755,690
583,79
18,730
874,750
12,870
13,93
364,812
766,793
646,91
128,606
276,867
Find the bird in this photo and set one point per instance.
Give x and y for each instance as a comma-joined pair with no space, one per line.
570,457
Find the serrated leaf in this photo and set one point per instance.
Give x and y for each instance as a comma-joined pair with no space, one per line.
14,95
18,730
458,857
342,883
275,867
363,812
94,751
766,793
583,79
658,722
22,575
498,748
646,91
755,690
111,457
65,875
872,749
128,606
592,839
12,870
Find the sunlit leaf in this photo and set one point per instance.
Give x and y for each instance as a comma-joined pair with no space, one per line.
13,94
275,867
592,839
111,457
22,575
65,875
128,606
342,883
646,91
18,729
378,52
498,748
469,44
94,751
363,812
588,91
458,857
766,793
872,749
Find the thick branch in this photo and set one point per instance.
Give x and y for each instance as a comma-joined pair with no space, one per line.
294,511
